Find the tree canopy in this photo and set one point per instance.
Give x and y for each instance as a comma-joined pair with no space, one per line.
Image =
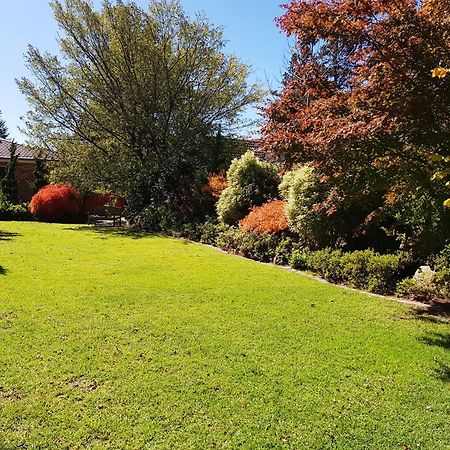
359,101
135,98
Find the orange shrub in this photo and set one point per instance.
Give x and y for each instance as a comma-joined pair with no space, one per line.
56,203
268,218
217,182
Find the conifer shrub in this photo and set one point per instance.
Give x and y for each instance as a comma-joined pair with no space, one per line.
251,182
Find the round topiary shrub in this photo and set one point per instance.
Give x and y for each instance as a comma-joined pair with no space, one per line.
56,203
251,182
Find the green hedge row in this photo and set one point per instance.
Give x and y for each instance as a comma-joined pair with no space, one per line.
363,269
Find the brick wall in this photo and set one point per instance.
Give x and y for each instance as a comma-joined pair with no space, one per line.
24,177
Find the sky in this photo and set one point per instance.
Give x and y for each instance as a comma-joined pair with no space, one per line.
249,28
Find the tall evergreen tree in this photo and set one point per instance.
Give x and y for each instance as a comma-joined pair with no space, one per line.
8,184
40,173
3,128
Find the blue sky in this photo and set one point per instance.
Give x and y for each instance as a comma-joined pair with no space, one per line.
248,26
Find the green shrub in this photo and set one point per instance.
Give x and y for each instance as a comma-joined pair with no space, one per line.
361,269
9,211
298,260
326,263
253,246
210,231
285,247
303,191
251,182
384,271
354,267
441,266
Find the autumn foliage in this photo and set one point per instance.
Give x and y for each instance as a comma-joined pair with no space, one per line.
268,218
217,182
359,99
56,203
360,104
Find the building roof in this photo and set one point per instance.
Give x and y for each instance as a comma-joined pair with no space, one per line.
24,152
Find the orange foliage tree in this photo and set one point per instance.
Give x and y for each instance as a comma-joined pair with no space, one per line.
268,218
359,104
56,203
358,99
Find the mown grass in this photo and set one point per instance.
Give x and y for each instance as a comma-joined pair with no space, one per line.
131,341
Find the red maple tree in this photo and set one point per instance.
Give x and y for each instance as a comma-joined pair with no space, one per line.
359,100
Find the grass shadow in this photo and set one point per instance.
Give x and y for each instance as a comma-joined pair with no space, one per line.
2,271
437,339
442,340
7,235
114,232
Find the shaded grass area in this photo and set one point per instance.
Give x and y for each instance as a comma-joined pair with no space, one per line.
110,340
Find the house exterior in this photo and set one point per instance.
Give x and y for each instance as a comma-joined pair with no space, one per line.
25,167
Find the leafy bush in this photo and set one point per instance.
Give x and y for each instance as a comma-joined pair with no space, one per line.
304,193
56,203
209,232
298,260
361,269
253,246
156,218
9,211
384,271
327,263
268,218
251,182
409,288
217,182
441,265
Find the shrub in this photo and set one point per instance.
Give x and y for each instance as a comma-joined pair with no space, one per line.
56,203
211,231
156,218
253,246
298,260
95,200
268,218
217,182
304,193
409,288
361,269
441,266
285,247
9,211
251,182
326,263
384,271
354,267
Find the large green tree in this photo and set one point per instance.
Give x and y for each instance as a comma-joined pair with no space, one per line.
135,99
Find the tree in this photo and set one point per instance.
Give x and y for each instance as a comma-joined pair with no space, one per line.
135,100
3,128
359,103
41,173
8,184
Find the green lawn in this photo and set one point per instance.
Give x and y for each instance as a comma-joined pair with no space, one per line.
132,342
